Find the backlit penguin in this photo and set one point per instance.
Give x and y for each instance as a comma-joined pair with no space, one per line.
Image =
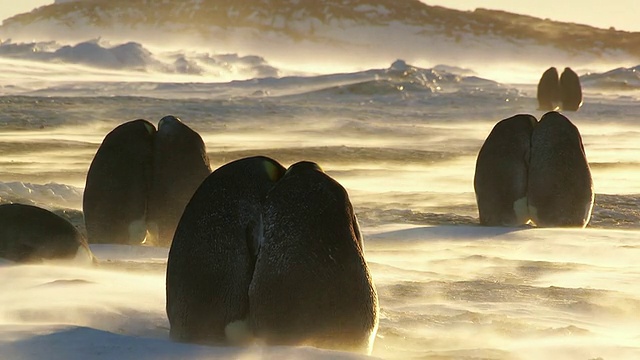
549,90
118,185
212,257
560,190
180,164
311,284
500,180
571,90
29,234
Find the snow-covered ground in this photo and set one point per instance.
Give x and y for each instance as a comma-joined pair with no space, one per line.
445,291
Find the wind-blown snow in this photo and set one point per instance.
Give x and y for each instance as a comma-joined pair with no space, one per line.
113,311
133,57
620,79
452,292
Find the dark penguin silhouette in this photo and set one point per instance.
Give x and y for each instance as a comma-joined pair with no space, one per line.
118,185
549,90
571,90
29,234
500,180
212,257
180,164
311,284
560,191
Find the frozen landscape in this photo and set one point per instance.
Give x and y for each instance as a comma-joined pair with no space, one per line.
395,110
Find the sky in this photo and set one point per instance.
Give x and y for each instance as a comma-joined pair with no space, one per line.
9,8
621,14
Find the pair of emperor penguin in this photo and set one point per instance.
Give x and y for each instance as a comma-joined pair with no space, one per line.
562,91
271,255
141,179
538,171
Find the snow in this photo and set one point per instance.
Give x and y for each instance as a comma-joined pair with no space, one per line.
59,195
376,10
113,310
564,293
459,291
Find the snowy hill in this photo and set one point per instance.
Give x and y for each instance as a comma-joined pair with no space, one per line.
366,32
304,19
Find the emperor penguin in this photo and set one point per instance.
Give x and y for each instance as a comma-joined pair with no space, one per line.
560,191
311,284
180,164
549,90
571,90
500,180
30,234
213,253
118,185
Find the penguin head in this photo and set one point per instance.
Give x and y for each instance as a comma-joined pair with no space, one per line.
168,121
304,166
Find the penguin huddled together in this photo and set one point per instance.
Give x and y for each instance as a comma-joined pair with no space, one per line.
559,92
270,255
140,180
538,171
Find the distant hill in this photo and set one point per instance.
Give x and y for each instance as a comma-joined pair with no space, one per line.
406,27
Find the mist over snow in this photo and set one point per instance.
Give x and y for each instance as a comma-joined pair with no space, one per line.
619,79
132,56
100,68
336,35
141,74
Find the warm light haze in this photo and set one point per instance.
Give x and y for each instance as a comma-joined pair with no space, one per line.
620,14
391,101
